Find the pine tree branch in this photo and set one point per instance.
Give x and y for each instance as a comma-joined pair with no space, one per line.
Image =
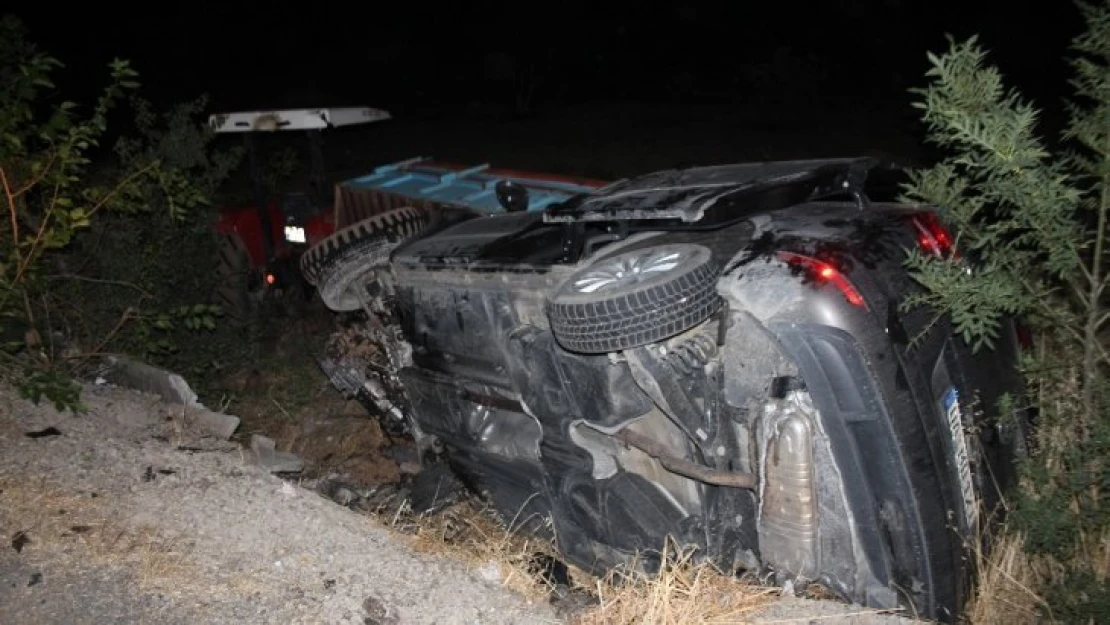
1076,290
1103,283
1103,319
1079,337
1091,343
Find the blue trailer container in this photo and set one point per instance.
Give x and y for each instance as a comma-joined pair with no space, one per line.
426,183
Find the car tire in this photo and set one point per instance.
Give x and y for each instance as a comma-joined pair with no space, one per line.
341,261
635,298
233,279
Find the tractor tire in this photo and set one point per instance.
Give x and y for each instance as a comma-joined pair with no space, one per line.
337,265
635,298
233,280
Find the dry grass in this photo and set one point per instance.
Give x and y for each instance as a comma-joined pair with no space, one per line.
355,447
1005,592
58,524
160,564
681,592
475,535
1010,579
51,517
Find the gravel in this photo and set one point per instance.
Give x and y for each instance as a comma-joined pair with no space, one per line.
132,517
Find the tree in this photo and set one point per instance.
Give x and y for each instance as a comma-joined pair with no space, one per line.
56,185
1035,223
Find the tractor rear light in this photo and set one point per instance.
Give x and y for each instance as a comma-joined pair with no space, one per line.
821,273
933,237
295,234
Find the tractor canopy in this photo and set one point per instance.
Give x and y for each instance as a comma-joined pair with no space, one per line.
295,119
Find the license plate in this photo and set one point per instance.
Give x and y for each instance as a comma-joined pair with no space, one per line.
951,404
294,234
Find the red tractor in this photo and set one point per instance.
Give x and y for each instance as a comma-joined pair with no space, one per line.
261,242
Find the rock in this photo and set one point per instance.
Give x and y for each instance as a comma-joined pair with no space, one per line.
150,379
377,612
339,492
174,390
409,468
270,458
215,423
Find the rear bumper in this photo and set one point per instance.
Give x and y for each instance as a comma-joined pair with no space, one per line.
888,548
916,466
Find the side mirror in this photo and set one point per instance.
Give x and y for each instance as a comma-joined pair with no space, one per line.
512,196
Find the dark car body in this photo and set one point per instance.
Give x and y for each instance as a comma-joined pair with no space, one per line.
804,426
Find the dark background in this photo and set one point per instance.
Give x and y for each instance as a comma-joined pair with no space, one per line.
616,87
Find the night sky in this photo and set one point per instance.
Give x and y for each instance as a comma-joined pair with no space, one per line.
769,63
399,53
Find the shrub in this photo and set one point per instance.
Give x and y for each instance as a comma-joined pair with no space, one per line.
168,293
1035,221
64,198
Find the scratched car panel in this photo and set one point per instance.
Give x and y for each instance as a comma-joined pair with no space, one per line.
716,355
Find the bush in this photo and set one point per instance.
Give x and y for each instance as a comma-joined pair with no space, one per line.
94,256
168,293
1035,222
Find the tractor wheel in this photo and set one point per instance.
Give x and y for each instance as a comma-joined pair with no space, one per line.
340,264
297,293
233,279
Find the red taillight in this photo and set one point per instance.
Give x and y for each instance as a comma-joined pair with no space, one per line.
933,237
825,273
271,278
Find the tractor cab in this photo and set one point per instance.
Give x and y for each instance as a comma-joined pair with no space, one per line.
262,241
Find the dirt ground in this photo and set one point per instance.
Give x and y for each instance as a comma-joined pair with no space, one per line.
283,395
121,514
125,516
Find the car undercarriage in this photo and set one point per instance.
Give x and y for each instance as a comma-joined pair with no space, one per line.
699,356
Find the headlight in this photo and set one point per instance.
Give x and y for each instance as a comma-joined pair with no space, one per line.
294,234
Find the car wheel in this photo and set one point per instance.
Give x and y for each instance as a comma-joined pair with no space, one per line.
635,298
342,261
233,279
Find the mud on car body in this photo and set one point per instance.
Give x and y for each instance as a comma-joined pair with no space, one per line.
715,355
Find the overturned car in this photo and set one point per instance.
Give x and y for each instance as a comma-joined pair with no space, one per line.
716,355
